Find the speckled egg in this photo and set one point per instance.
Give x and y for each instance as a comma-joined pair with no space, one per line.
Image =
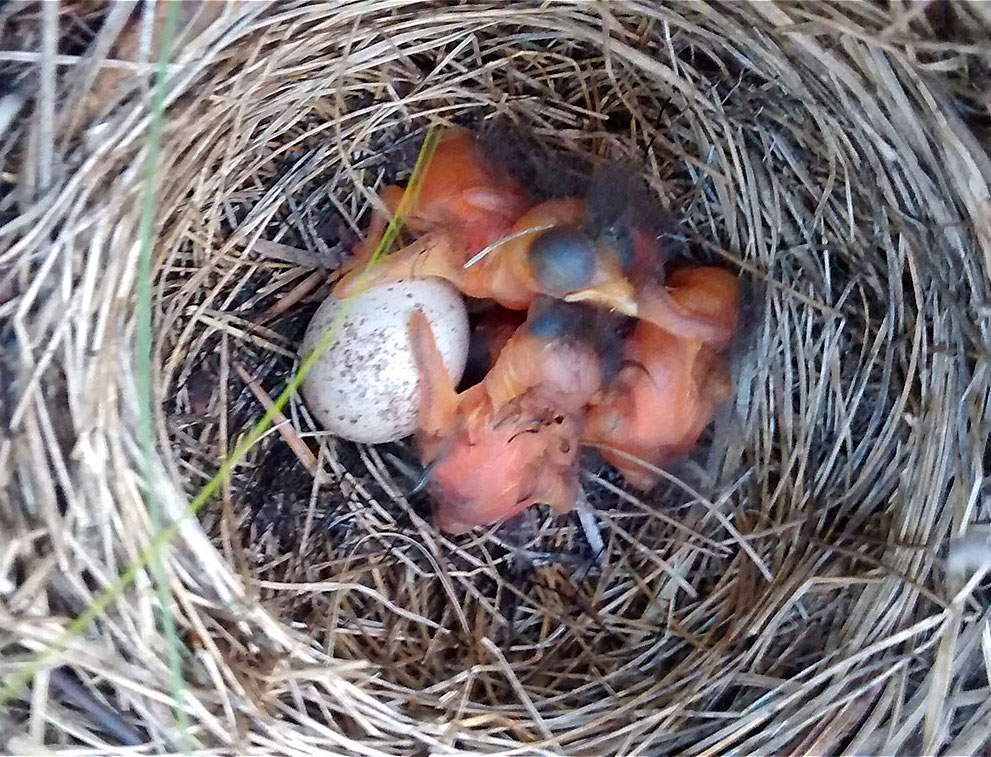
363,387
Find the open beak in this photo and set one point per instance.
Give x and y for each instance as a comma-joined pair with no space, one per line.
616,293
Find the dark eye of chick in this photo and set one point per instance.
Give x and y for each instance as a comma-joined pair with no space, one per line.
563,260
554,319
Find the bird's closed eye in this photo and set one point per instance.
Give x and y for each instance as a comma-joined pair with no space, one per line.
563,260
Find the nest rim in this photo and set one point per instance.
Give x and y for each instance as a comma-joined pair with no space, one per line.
842,363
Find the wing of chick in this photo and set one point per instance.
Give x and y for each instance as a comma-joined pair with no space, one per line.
709,294
696,303
461,205
439,404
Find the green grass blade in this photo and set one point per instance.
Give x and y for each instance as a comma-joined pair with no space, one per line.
16,683
142,370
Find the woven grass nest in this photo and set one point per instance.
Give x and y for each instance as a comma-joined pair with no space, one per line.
804,583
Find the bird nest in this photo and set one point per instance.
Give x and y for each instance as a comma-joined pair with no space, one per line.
785,588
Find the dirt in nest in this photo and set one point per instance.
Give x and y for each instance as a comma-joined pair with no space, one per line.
275,495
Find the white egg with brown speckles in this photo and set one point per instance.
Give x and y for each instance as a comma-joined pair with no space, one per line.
363,386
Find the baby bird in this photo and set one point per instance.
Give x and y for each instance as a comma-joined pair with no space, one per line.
626,224
670,386
543,252
465,206
478,229
461,206
459,196
512,440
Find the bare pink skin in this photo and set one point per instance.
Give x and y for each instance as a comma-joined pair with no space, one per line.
509,442
670,386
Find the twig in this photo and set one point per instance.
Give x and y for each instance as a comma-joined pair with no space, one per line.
17,56
101,715
288,433
46,95
10,105
297,293
287,254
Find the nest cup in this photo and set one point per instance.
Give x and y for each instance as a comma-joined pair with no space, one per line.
782,590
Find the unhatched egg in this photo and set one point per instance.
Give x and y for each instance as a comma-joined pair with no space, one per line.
363,387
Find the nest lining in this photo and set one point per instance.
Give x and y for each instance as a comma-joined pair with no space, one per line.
780,590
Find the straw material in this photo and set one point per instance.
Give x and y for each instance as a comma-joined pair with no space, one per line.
783,591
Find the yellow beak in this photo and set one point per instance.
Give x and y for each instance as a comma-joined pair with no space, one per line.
616,293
